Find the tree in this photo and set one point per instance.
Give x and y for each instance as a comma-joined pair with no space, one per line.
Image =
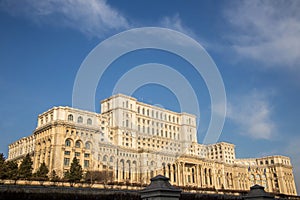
8,169
53,176
25,169
75,172
42,173
2,166
11,170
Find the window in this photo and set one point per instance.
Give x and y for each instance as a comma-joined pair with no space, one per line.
77,154
86,155
104,158
88,145
67,153
86,163
66,161
70,117
89,121
80,119
111,159
68,143
77,144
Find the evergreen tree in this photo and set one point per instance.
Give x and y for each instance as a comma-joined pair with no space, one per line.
25,169
11,170
2,166
53,176
2,158
75,172
42,173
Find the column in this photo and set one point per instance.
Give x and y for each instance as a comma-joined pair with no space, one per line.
183,174
200,176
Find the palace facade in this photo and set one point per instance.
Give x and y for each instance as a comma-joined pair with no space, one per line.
136,141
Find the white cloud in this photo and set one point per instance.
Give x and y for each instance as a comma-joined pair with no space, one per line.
266,31
252,115
93,17
175,23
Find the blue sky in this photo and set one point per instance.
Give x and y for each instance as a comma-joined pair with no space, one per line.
255,45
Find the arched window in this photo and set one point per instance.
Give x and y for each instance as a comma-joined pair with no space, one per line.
78,144
79,119
68,143
88,145
89,121
70,117
104,158
152,163
111,159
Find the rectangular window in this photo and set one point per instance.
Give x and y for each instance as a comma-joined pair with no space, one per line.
86,155
66,161
77,154
67,153
86,163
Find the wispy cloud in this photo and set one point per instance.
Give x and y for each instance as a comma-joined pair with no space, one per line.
175,22
94,18
252,115
266,31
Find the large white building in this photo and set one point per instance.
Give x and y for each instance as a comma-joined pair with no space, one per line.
136,141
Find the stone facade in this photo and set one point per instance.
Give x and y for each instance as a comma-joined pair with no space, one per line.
136,141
